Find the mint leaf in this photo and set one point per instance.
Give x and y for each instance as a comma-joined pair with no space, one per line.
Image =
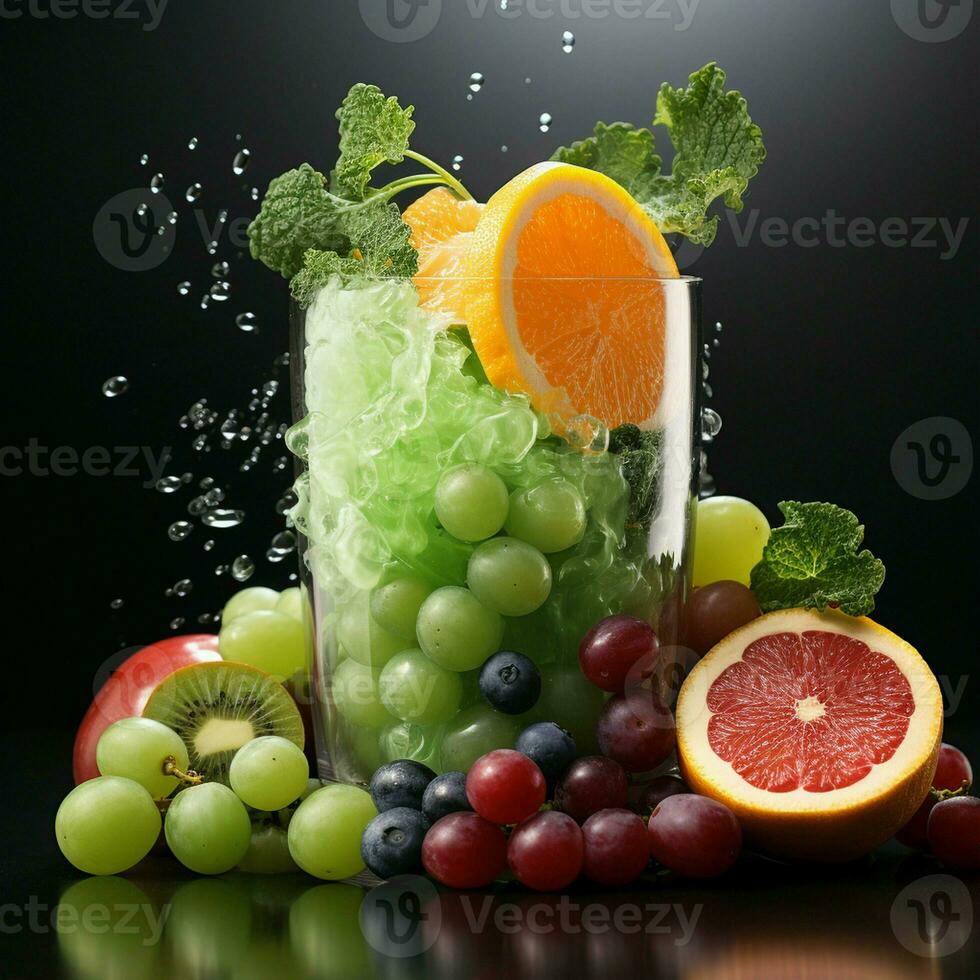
619,151
813,561
379,247
373,130
718,149
639,453
297,214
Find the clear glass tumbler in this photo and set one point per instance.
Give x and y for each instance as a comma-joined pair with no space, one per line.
389,398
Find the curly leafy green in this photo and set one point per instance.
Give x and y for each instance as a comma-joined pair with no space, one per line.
718,149
813,561
640,454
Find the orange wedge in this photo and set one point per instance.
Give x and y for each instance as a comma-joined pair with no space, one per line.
442,226
565,300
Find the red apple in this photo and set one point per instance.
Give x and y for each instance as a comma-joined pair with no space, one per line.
128,689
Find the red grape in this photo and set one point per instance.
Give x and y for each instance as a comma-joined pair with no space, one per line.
616,847
952,770
637,731
462,850
546,851
612,647
954,832
590,784
505,786
714,611
694,836
658,789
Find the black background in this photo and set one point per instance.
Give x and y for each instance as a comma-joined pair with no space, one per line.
828,353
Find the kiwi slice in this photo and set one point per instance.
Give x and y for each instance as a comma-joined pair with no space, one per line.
217,707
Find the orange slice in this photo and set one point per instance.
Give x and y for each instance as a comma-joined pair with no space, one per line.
565,301
820,731
442,226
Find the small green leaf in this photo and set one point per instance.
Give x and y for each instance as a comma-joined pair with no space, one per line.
619,151
813,561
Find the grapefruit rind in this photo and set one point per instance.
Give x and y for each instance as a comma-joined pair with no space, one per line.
799,824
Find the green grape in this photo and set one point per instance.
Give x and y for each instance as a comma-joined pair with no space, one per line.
550,516
249,600
268,852
125,944
269,640
269,772
414,688
323,936
509,576
456,630
357,695
471,502
293,603
325,832
396,606
407,740
106,825
476,731
207,828
729,536
362,637
139,748
571,702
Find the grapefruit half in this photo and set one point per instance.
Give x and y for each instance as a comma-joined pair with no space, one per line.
820,731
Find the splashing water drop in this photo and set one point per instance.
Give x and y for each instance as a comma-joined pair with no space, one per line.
222,517
544,121
255,193
193,143
193,193
183,588
503,149
183,287
177,622
710,425
457,162
169,484
247,322
116,604
242,568
476,81
567,42
144,159
180,530
156,183
221,291
220,269
172,218
240,163
205,301
115,386
209,545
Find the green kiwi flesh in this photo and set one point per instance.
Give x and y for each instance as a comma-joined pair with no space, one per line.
217,707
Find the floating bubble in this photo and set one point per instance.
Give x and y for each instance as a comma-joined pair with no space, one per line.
193,143
183,588
209,545
544,121
247,322
144,159
183,287
710,425
169,484
476,81
222,517
457,162
503,149
220,269
180,530
115,386
116,604
177,622
221,290
156,183
193,193
284,542
567,42
242,568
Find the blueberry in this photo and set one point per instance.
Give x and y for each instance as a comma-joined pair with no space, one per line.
445,794
510,682
392,842
551,747
400,783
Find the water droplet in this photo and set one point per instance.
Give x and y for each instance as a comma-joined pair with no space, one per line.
214,497
220,269
240,163
193,194
504,4
212,248
197,507
156,183
527,81
457,162
116,604
117,385
567,42
180,530
183,287
142,210
172,218
221,569
476,81
587,434
209,545
718,327
274,557
503,149
177,622
270,388
544,122
205,301
705,371
221,290
255,193
169,484
222,217
242,568
710,425
286,502
248,322
183,588
144,159
221,517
